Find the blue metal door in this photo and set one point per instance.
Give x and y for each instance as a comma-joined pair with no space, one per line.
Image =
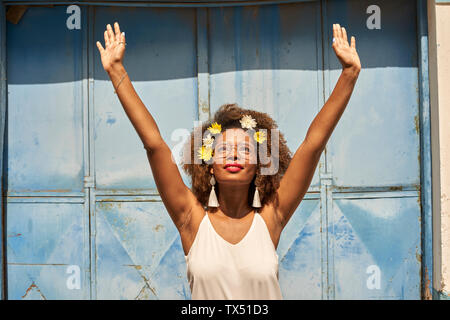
80,190
47,212
372,186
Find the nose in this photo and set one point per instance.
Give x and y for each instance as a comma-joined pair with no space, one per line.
234,153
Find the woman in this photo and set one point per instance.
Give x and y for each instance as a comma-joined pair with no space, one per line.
230,247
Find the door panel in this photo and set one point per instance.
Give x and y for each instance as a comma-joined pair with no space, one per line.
373,158
139,253
46,213
45,132
44,239
160,59
137,247
378,134
376,238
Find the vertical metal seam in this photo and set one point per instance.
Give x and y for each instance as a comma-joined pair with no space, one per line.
86,187
425,153
328,201
202,45
3,105
323,206
92,213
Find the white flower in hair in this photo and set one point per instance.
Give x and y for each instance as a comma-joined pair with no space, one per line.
247,122
208,141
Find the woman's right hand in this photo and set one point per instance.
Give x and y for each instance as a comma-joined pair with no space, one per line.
114,49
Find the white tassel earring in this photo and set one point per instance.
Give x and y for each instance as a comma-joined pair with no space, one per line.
256,200
212,196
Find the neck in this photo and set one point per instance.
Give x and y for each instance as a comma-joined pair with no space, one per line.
233,200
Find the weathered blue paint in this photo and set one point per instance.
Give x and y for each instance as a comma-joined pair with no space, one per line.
3,85
375,145
185,63
47,212
162,63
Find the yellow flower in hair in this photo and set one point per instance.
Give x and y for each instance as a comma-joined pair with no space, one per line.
259,136
215,128
205,153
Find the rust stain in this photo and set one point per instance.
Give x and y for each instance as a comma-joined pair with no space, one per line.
204,106
419,200
127,220
158,227
416,123
426,290
147,285
255,10
29,289
15,235
396,188
54,190
33,285
106,205
142,295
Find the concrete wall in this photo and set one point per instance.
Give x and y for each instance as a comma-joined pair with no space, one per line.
439,66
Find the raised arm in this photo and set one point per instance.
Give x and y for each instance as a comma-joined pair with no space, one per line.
177,197
298,176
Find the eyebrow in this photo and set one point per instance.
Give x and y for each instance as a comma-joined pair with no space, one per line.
226,142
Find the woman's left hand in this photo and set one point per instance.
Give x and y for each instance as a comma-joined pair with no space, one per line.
345,52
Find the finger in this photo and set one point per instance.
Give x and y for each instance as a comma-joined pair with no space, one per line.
122,37
117,30
100,48
106,39
334,31
353,42
112,38
108,35
339,33
344,36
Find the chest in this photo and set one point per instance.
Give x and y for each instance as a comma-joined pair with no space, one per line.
237,231
229,231
254,251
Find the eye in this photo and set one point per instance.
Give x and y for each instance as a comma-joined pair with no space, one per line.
244,148
222,148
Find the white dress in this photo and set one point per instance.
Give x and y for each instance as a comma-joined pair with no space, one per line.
247,270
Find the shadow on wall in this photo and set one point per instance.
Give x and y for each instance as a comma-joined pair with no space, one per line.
161,42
